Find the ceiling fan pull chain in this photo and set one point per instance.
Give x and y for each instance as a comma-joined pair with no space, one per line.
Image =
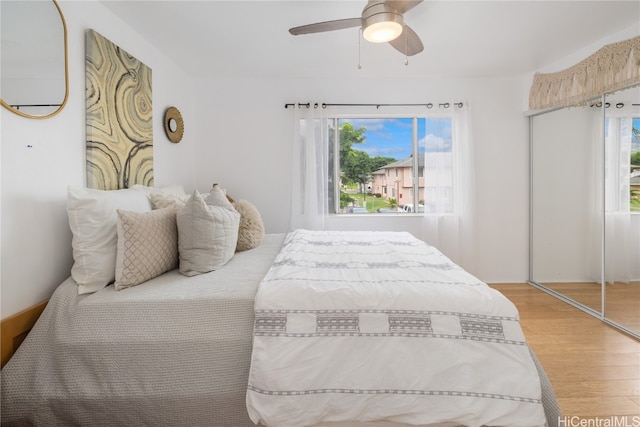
359,42
406,46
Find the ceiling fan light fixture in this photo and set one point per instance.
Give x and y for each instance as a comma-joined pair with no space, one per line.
382,27
381,21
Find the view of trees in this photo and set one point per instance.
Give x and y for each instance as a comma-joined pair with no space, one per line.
356,166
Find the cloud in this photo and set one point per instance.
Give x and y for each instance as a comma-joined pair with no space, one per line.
434,144
372,125
391,137
395,151
381,126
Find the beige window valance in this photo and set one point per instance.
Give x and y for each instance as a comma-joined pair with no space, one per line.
613,67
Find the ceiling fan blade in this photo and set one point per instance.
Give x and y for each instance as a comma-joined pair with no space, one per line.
320,27
408,43
402,5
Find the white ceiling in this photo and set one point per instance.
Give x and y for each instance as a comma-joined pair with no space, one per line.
461,38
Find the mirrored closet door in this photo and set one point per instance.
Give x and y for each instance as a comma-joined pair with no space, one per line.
585,207
622,209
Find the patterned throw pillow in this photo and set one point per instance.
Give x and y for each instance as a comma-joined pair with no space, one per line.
147,246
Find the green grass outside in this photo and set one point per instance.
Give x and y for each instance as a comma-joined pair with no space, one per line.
373,203
635,201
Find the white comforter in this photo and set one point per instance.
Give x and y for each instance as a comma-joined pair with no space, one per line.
353,326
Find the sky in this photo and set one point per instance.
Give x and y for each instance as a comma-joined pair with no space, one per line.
392,137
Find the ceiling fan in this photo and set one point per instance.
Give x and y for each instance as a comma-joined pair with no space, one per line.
381,21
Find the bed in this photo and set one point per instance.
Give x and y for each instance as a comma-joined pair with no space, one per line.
173,350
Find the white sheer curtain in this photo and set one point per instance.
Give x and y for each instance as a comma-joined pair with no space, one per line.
309,203
593,195
619,254
449,219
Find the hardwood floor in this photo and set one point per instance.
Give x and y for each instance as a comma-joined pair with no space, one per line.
623,304
594,369
622,299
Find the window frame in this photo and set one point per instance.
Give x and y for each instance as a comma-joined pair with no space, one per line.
333,119
618,202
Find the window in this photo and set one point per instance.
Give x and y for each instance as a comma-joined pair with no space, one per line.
622,139
391,164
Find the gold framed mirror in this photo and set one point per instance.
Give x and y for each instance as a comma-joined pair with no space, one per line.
173,124
34,63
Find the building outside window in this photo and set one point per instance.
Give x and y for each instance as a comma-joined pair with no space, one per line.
391,164
622,138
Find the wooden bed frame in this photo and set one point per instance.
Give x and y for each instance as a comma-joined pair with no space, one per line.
14,329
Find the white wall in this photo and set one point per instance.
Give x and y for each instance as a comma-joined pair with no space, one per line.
248,137
40,158
238,134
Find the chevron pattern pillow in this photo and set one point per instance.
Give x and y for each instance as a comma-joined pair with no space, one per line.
147,246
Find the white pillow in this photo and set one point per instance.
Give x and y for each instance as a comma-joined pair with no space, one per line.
147,246
161,200
207,232
218,197
92,220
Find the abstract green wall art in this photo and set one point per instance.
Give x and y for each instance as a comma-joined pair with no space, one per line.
118,117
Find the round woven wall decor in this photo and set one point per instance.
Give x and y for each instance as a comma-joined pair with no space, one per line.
173,124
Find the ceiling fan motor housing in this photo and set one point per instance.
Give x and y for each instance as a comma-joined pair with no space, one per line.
381,21
379,16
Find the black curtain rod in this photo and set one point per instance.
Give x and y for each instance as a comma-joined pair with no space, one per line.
608,104
17,106
324,105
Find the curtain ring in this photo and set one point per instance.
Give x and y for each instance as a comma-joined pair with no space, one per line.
619,105
429,105
324,106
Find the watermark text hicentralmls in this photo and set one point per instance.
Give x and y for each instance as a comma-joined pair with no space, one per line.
608,421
